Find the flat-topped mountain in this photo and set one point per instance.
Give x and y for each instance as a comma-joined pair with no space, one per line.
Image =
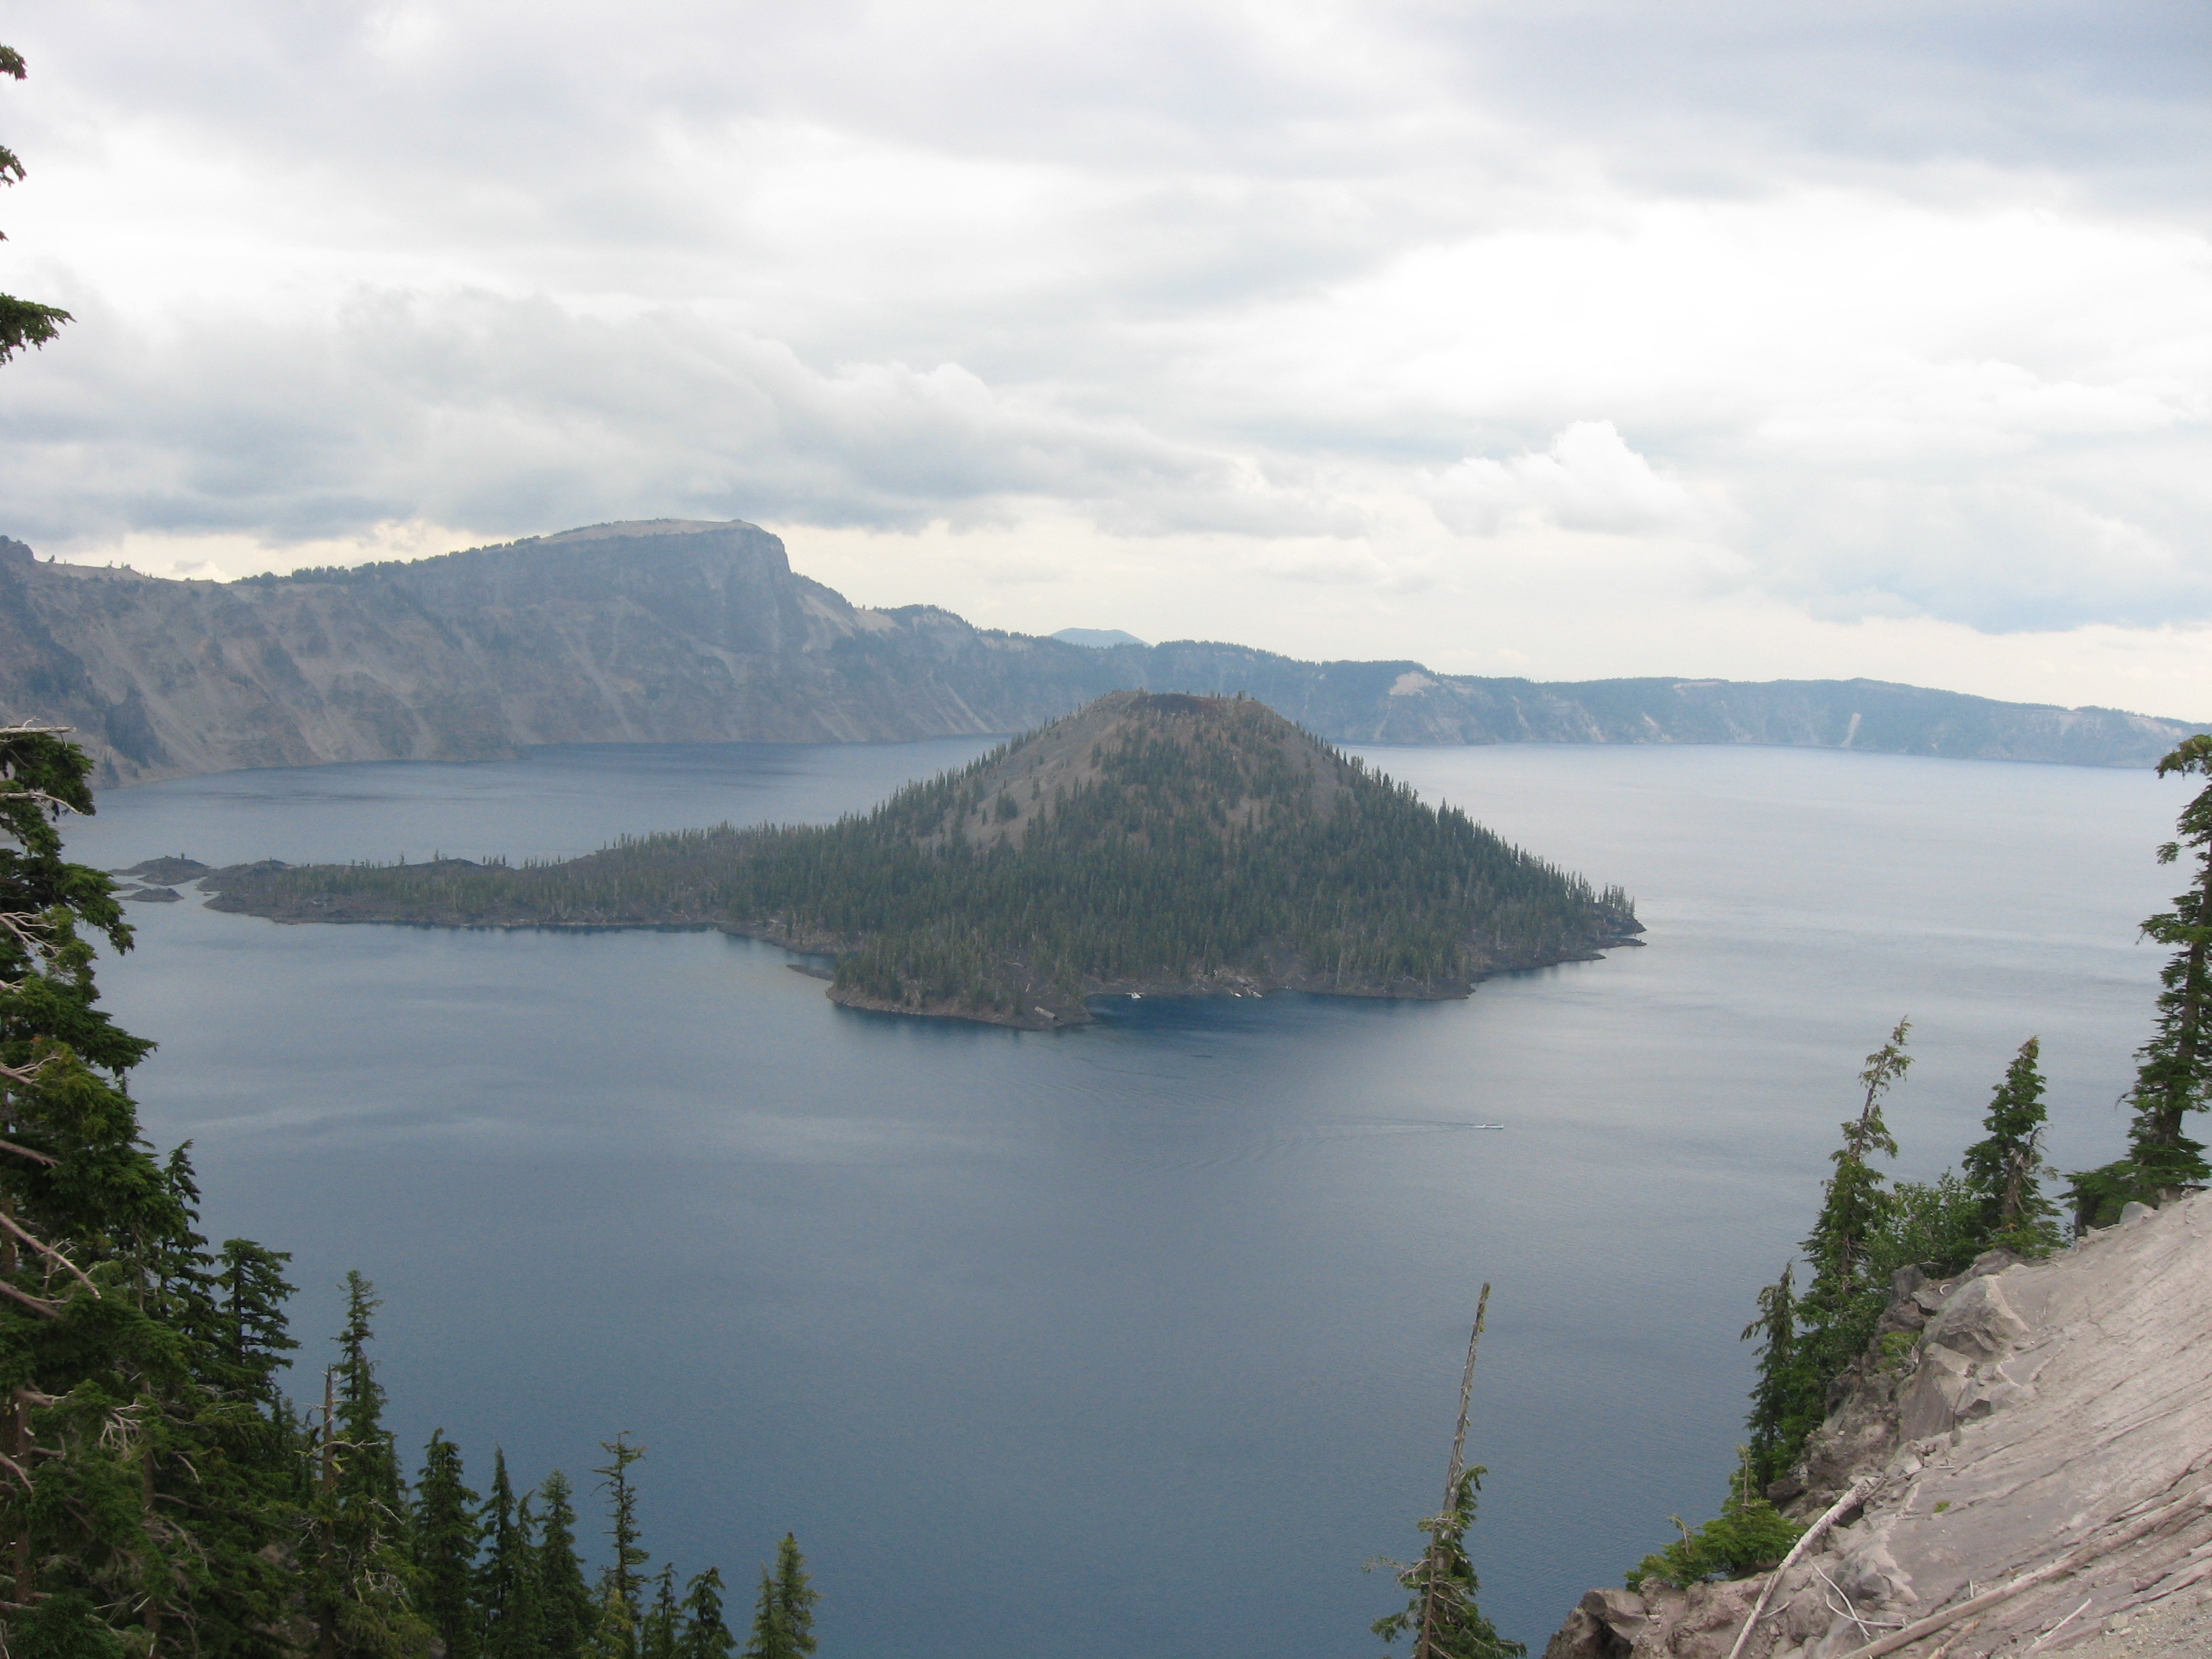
677,631
1149,843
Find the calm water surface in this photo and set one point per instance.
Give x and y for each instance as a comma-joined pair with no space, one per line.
1133,1342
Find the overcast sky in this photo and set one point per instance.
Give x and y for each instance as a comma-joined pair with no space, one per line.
1708,336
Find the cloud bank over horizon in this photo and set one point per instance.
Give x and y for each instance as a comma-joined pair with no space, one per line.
1569,341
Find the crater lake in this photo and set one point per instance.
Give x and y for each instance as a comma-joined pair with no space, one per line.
1131,1342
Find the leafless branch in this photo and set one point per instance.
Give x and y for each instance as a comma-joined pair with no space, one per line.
2072,1561
46,1309
12,1225
1860,1491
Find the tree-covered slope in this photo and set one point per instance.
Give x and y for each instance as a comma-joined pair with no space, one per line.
1147,843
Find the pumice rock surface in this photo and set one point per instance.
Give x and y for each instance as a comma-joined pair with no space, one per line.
2052,1423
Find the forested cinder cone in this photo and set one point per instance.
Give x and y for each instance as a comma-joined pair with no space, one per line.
1149,843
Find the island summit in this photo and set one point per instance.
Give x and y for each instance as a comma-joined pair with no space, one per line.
1158,844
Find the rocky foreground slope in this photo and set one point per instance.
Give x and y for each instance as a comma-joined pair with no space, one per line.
672,631
2031,1473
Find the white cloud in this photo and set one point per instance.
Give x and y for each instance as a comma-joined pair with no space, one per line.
1306,315
1588,479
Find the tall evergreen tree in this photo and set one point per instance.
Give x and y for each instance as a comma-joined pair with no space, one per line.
509,1571
1843,1302
448,1538
2004,1171
706,1633
564,1600
256,1332
1787,1399
520,1632
105,1311
622,1619
796,1597
664,1624
2173,1070
1442,1589
361,1585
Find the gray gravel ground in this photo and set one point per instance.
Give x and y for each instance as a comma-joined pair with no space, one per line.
2179,1628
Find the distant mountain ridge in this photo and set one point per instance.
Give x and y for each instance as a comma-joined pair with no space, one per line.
674,631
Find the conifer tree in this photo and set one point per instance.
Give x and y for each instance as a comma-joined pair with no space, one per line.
2173,1074
1442,1588
664,1624
256,1333
1786,1401
107,1401
795,1595
771,1637
706,1634
1842,1303
2004,1171
564,1600
361,1584
508,1572
448,1538
520,1632
621,1624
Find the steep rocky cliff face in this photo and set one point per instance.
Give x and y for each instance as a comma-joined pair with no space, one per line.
674,631
2029,1469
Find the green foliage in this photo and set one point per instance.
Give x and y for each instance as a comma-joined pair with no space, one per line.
1935,1226
22,322
164,1494
361,1584
1847,1291
507,1587
706,1635
2005,1171
569,1614
1749,1536
664,1625
622,1620
1787,1400
783,1616
448,1538
1225,843
149,1468
2173,1074
1441,1589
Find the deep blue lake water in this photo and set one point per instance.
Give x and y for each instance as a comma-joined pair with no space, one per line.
1131,1342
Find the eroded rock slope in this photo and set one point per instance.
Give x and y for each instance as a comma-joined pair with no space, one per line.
2049,1422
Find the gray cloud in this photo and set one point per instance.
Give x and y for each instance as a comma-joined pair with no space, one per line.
1296,272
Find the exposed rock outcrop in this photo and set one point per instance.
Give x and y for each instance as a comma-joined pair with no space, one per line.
674,631
2050,1421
